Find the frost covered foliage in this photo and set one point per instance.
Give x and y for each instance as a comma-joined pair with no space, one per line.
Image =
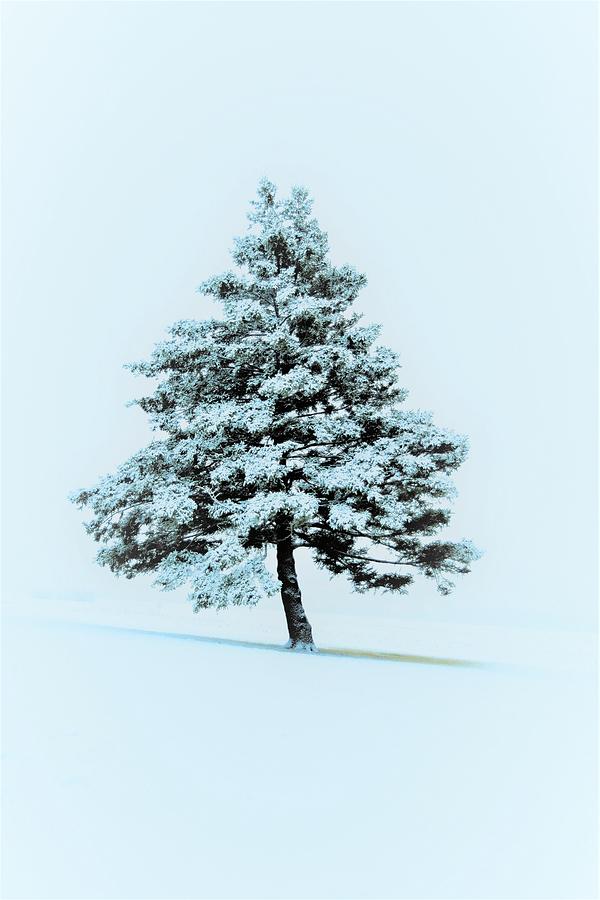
280,422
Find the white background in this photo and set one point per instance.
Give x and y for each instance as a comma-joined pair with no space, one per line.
451,152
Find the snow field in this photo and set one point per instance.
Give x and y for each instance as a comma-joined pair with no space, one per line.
141,766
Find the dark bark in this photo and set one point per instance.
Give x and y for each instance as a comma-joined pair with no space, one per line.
298,625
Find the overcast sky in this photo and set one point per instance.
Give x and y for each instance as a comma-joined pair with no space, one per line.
451,152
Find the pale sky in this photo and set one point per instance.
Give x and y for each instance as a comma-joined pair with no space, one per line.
451,151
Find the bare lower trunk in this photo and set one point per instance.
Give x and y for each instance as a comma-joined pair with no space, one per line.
298,625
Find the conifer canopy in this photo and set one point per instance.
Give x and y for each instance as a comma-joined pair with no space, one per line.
280,420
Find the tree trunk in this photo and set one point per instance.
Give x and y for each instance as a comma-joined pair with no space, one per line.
298,625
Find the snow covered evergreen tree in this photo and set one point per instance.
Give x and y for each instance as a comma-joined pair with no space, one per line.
279,424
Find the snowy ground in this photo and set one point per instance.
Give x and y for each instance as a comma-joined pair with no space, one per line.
140,765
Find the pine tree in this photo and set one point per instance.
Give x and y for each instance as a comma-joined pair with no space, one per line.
279,424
